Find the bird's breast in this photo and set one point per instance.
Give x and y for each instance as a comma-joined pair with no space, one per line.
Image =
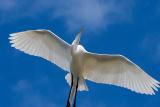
77,62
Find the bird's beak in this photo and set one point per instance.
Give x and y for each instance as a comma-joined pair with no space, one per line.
78,37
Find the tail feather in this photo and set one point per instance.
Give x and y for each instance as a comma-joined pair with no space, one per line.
81,83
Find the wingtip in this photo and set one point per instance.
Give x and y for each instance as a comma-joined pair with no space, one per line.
12,34
12,45
10,38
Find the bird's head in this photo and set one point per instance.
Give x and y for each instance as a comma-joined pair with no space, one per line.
78,37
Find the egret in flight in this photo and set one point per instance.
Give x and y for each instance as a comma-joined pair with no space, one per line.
82,65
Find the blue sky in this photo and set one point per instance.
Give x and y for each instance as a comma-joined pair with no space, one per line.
127,27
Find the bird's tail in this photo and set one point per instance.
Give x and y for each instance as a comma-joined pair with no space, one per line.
82,86
81,82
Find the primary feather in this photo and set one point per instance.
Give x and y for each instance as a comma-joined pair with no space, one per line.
45,44
118,70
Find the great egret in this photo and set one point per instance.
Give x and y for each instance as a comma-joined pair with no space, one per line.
82,65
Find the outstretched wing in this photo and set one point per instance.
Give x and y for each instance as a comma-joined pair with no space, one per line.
45,44
118,70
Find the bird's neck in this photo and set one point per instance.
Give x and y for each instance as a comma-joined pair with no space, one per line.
73,48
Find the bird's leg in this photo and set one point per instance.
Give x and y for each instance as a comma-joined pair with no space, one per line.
73,91
68,102
74,105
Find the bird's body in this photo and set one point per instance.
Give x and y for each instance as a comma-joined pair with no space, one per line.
77,62
76,69
82,65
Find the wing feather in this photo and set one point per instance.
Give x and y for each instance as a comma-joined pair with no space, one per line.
45,44
118,70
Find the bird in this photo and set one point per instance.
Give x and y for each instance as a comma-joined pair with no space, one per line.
81,65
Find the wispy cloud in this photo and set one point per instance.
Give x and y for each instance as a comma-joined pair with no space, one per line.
93,14
28,97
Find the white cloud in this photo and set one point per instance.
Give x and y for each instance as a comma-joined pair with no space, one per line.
93,14
28,97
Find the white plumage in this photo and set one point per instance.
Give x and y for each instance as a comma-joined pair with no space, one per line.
100,68
120,71
45,44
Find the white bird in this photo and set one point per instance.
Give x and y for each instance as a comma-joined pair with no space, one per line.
82,65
